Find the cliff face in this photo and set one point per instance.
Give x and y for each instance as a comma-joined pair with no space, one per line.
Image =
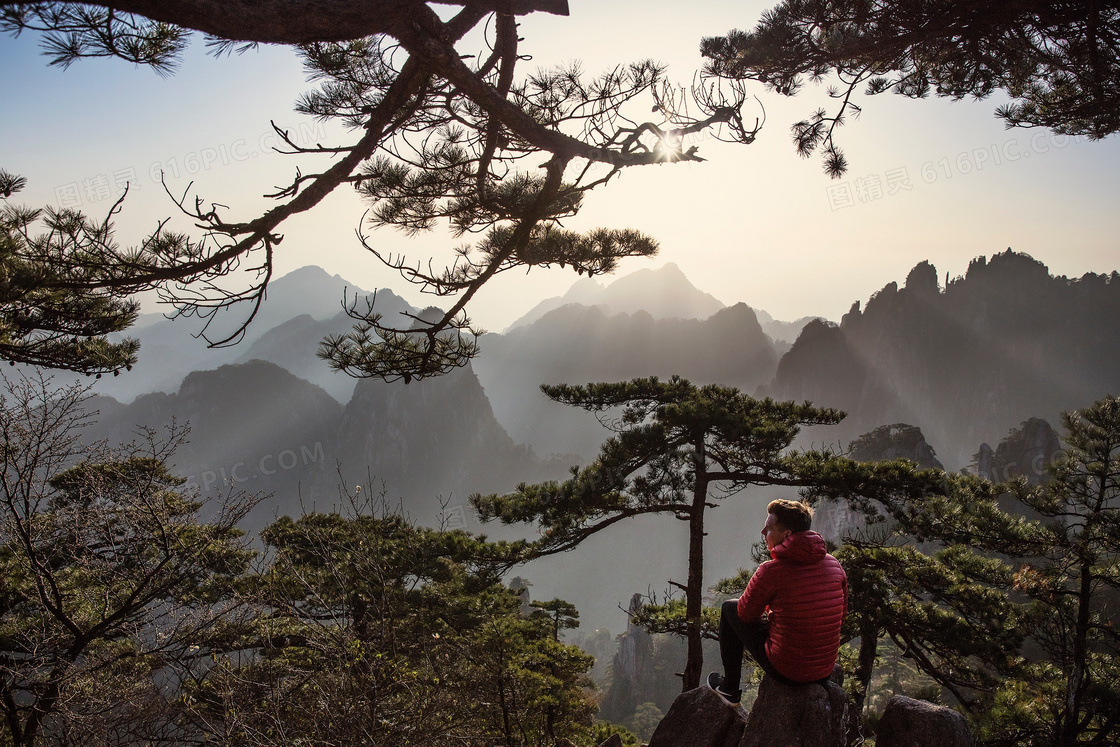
643,671
835,520
430,438
824,367
1006,342
1025,452
254,426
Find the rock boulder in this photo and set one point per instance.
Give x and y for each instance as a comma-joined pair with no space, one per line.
698,718
915,723
804,716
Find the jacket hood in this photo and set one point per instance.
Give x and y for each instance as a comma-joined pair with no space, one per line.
801,547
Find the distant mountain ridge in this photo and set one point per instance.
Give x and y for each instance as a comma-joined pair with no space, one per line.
1006,338
294,344
171,348
966,363
266,430
305,305
783,333
577,344
664,293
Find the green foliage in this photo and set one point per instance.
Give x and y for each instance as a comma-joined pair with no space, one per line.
651,465
560,615
728,588
73,31
51,311
1074,582
645,719
673,440
124,619
949,611
110,585
670,616
1058,63
443,135
602,731
1015,617
394,635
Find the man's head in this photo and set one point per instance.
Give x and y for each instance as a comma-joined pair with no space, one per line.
783,518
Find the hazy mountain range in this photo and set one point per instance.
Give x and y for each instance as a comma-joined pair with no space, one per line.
307,298
964,363
968,362
664,293
578,344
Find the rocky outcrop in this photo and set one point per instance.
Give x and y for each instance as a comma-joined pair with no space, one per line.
642,670
824,367
436,437
915,723
835,520
253,426
973,357
698,718
632,663
897,441
803,716
1025,452
806,716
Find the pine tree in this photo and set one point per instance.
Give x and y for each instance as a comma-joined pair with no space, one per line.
111,587
1015,615
50,315
1058,62
444,135
392,634
1074,582
675,443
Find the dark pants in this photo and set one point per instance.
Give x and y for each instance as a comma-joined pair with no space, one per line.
735,636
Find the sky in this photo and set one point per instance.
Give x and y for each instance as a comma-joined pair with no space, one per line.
929,180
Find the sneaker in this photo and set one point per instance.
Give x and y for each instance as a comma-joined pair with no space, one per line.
715,680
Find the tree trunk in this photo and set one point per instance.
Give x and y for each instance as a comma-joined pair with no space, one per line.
11,713
1075,685
694,588
507,728
868,647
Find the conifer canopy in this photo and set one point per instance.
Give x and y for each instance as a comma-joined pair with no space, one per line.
1058,62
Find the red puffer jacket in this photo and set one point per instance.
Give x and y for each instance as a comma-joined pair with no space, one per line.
806,591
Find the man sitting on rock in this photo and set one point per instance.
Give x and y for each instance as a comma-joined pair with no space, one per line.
789,616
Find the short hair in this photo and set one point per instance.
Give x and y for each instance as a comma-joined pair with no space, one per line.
792,515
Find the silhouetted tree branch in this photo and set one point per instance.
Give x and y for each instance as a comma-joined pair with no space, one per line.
443,139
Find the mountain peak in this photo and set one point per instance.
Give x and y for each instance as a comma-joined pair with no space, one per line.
311,290
663,293
582,289
307,272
